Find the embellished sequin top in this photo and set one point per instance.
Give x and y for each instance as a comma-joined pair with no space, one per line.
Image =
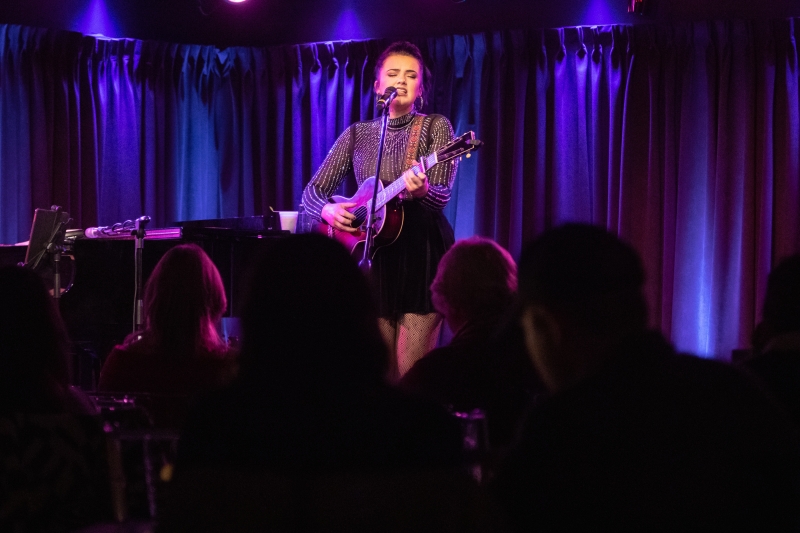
356,150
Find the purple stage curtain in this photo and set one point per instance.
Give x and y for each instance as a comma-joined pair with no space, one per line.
684,139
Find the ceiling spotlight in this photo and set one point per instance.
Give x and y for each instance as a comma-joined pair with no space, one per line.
235,1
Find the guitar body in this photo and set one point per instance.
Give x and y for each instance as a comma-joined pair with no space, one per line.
388,221
389,214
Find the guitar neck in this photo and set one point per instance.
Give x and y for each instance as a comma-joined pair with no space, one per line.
398,185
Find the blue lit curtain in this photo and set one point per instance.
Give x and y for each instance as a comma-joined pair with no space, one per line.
684,139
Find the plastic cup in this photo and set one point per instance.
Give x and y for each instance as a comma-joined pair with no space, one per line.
288,220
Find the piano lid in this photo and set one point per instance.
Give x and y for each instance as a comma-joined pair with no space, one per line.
264,223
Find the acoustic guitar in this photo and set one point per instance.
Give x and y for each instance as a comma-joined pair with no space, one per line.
389,214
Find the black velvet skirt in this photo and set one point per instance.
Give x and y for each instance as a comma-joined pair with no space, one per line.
403,271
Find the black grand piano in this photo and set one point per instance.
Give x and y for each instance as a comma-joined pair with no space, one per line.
99,277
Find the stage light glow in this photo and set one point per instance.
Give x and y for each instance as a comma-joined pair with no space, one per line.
96,19
348,25
598,12
235,1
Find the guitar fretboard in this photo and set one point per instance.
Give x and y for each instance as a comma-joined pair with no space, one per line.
398,185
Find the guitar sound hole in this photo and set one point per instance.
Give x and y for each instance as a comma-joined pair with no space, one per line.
361,216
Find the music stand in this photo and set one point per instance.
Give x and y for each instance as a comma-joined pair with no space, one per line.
46,244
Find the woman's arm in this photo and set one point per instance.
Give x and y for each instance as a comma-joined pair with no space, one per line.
329,175
440,177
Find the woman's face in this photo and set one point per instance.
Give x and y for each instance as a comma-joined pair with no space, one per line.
404,73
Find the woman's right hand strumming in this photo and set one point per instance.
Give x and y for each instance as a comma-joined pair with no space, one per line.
339,217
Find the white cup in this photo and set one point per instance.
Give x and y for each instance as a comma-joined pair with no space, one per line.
288,220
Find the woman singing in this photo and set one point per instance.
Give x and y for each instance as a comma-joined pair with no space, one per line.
403,270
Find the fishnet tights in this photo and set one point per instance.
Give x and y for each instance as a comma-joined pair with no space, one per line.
409,338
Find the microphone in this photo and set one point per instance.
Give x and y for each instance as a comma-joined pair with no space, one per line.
95,233
142,221
385,100
115,230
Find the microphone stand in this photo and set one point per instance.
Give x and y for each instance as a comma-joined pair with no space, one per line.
366,263
55,251
138,310
54,248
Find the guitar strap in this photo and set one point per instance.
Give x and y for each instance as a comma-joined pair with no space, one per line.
413,141
413,148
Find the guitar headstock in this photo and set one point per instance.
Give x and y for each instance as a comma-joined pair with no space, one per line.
464,144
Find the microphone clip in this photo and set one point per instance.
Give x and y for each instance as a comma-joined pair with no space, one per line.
386,100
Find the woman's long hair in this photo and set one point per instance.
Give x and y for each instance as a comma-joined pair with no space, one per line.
34,347
183,301
477,278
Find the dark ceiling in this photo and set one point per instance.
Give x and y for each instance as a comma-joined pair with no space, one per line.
268,22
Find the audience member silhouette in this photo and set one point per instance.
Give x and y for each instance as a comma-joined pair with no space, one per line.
485,365
53,469
633,436
776,341
309,436
179,354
